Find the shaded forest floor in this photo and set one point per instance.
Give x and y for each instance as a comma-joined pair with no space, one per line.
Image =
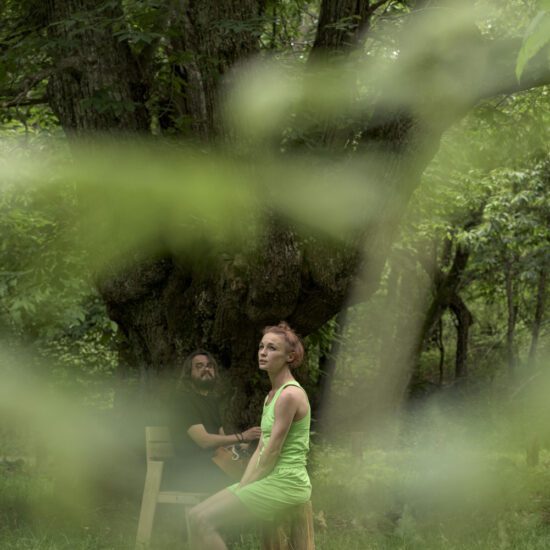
384,500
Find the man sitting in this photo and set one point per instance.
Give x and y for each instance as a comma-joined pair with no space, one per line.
196,428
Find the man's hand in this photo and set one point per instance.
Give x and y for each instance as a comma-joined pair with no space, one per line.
252,433
207,440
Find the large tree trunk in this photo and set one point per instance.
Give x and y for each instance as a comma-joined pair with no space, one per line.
97,85
166,310
166,307
214,39
342,25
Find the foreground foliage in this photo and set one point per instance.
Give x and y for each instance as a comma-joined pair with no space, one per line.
460,484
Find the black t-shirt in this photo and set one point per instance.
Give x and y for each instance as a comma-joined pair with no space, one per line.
191,408
192,468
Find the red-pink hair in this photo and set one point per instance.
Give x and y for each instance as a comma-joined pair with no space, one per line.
291,338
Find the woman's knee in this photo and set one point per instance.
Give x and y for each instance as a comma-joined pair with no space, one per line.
198,520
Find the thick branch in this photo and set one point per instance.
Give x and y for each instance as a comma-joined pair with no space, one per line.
18,102
342,25
461,73
499,76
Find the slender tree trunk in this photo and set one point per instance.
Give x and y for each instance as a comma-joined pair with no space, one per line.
464,320
539,315
327,368
441,347
511,318
446,289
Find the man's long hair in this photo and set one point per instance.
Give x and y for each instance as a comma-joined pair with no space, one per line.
185,375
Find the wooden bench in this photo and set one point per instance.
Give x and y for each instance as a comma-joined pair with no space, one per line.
294,531
159,448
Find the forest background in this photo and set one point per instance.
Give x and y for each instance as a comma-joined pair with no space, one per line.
178,175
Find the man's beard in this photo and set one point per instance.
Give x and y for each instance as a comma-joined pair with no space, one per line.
205,383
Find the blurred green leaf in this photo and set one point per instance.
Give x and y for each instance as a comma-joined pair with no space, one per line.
536,37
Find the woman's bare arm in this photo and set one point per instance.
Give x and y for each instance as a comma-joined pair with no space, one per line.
251,466
286,408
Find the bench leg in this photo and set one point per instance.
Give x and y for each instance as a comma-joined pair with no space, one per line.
149,503
294,531
186,514
274,538
302,536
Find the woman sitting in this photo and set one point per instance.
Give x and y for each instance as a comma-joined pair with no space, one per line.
276,477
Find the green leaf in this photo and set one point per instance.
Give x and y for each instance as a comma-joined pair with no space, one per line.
536,37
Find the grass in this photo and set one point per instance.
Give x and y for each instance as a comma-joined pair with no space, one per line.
377,504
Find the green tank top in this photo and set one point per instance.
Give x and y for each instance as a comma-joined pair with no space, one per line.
296,445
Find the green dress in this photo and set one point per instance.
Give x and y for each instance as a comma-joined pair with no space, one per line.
288,483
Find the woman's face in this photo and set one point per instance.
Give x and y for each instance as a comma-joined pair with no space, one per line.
273,352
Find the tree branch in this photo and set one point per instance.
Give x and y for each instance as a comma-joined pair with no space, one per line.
20,97
22,102
430,100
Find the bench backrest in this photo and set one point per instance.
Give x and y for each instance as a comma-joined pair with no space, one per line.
158,443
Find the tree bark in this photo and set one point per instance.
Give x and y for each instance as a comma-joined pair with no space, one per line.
445,291
464,320
342,25
446,288
98,86
401,357
327,369
387,324
539,314
215,36
441,347
511,317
